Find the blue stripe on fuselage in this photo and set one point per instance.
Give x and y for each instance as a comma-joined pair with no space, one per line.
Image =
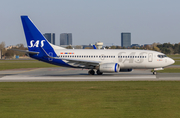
58,62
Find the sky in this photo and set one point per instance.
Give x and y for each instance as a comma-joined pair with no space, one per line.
90,21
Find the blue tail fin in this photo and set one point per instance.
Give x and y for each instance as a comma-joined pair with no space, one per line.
34,38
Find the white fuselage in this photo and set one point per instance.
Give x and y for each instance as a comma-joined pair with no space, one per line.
126,58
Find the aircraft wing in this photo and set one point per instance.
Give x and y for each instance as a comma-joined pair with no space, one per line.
78,62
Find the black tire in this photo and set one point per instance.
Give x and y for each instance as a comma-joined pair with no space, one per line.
99,73
91,72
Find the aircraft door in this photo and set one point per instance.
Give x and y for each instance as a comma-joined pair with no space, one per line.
102,56
150,57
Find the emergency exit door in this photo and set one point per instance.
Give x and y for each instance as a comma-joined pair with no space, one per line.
150,57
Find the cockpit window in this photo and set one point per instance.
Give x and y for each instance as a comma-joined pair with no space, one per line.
161,56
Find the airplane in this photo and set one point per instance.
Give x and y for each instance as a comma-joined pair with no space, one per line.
99,60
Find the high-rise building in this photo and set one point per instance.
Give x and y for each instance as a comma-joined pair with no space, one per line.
66,39
50,37
126,40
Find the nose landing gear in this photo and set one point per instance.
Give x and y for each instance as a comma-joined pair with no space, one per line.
154,73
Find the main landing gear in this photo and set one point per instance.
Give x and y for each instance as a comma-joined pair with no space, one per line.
92,72
99,73
154,72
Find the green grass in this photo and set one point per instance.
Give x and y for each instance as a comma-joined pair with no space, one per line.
140,99
172,56
17,64
177,62
169,70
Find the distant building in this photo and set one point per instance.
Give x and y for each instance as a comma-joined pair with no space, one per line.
126,40
99,44
150,45
135,45
50,37
66,39
11,46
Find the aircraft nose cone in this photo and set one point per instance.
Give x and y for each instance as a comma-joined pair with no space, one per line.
172,61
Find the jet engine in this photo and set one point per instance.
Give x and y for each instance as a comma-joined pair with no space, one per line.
109,67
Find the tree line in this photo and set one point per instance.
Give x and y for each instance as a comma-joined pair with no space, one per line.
8,53
165,48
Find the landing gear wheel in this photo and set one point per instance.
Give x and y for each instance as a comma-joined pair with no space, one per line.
99,73
91,72
154,73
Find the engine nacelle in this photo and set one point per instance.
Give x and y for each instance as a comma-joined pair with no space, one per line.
126,70
109,67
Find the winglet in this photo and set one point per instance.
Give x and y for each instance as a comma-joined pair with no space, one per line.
94,47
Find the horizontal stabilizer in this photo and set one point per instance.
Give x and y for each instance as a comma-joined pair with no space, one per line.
25,51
